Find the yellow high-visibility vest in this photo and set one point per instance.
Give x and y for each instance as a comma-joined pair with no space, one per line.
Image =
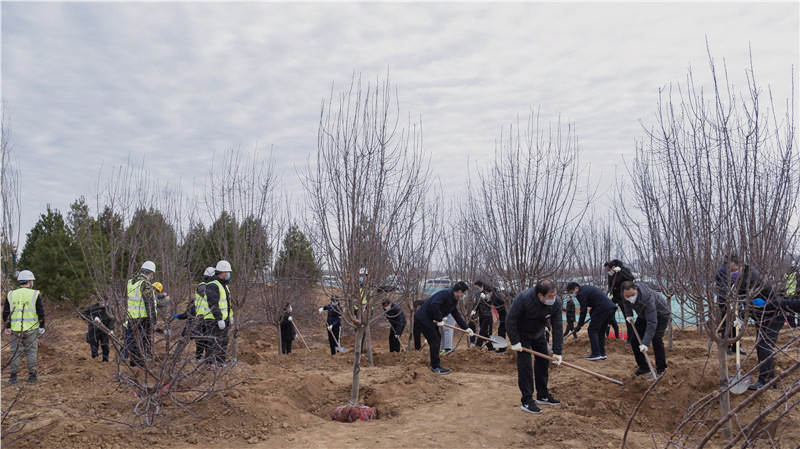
23,309
136,305
201,309
223,299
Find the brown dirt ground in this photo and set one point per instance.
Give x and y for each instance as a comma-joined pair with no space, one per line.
286,401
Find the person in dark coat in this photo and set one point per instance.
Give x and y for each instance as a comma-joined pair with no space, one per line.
569,311
499,303
397,323
603,309
485,318
617,274
333,323
97,314
287,330
653,316
527,318
430,317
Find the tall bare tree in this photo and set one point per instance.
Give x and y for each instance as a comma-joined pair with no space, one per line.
368,179
528,204
717,173
9,176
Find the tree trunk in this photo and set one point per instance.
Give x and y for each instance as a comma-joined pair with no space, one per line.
725,398
280,340
669,344
368,341
356,365
234,343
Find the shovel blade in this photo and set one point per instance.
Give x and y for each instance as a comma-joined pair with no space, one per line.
499,342
739,384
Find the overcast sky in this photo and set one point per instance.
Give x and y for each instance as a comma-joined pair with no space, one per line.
92,84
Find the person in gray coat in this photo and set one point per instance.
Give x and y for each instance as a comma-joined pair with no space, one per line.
652,319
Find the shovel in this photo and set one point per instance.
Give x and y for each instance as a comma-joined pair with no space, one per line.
646,357
338,346
738,383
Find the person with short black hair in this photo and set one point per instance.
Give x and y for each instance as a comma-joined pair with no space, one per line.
653,316
485,318
617,274
431,314
499,303
397,323
530,313
602,309
287,329
415,328
97,315
333,323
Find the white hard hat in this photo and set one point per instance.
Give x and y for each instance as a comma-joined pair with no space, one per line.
209,271
149,266
223,265
25,275
363,271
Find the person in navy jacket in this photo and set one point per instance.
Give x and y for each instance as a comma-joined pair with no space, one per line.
431,315
334,323
603,309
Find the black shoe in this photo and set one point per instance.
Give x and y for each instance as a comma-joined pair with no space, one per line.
530,407
641,372
501,351
12,378
660,372
440,370
32,377
548,400
759,385
105,359
594,357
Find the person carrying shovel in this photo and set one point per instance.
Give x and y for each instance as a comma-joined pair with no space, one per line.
430,317
653,317
397,323
334,324
525,324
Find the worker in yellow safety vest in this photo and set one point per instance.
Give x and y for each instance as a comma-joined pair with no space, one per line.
23,316
141,314
218,298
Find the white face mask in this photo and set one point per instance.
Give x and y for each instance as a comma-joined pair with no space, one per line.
386,307
632,299
610,272
289,310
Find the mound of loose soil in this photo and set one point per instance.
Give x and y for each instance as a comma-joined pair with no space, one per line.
286,400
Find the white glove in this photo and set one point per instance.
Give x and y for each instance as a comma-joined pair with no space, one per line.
617,269
41,330
290,318
517,347
472,313
738,323
231,320
557,360
97,319
629,319
221,324
483,295
321,310
642,348
440,323
610,296
470,332
330,328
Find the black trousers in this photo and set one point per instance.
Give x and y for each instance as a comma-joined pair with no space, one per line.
218,344
286,339
659,352
596,330
336,331
537,374
139,341
486,331
434,341
394,338
766,337
97,340
201,338
501,326
417,331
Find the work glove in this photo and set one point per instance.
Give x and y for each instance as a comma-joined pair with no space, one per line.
231,320
472,313
97,319
41,330
221,324
642,348
470,332
290,318
758,302
738,323
557,360
330,328
629,319
440,323
617,269
483,295
517,347
610,296
321,310
175,315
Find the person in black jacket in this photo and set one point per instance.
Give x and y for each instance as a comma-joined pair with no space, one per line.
603,309
485,318
527,318
416,329
430,317
97,338
334,324
617,274
287,330
569,309
218,297
499,303
653,316
397,323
